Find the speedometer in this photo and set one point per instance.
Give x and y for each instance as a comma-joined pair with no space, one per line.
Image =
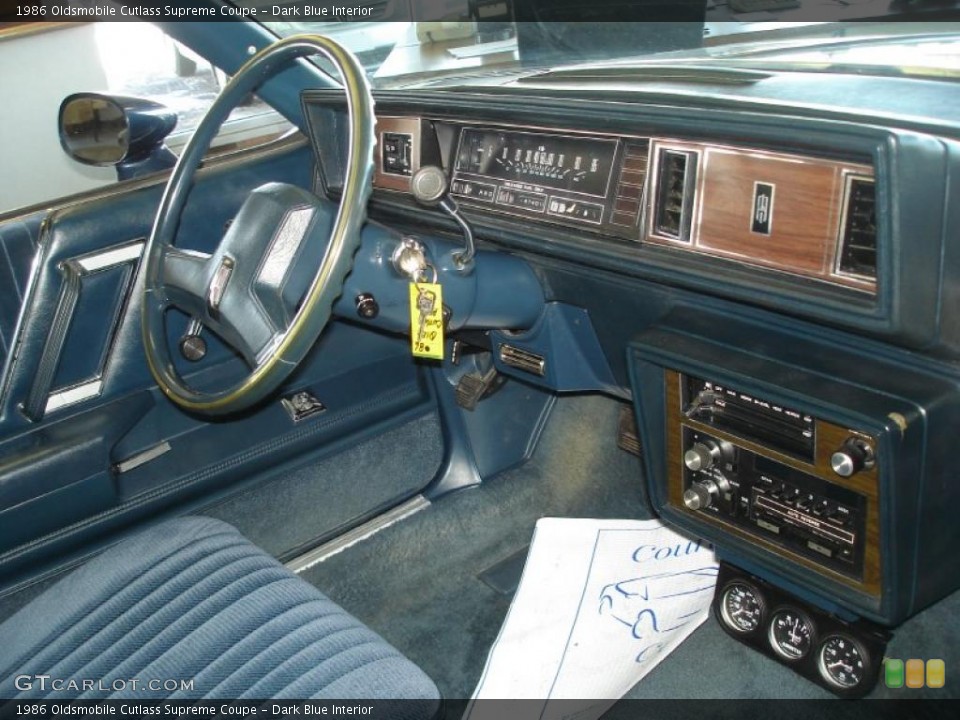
538,161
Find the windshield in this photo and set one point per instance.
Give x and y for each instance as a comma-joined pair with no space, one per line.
413,42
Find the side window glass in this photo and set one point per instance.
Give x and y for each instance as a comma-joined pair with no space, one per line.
127,58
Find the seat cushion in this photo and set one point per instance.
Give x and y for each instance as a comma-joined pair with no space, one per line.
192,599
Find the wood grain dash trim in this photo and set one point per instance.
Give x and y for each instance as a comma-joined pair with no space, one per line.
807,208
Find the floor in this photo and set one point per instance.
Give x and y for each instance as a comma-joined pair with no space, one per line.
417,582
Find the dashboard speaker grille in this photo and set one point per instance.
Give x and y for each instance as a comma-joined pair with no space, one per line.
858,241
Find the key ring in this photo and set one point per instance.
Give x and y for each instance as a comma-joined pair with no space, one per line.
422,276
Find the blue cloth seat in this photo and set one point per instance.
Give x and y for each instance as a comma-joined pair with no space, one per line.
191,599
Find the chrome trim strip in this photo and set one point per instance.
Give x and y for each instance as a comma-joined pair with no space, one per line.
142,458
111,258
74,395
358,534
218,285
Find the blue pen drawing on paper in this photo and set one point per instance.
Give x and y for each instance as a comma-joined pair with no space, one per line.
649,604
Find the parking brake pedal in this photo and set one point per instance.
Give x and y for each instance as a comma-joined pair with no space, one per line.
473,387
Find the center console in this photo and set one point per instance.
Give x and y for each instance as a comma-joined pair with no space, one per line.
821,472
820,467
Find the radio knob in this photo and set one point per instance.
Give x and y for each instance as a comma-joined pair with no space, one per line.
853,457
702,456
697,496
702,493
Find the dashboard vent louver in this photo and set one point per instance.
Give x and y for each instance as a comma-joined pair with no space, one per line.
523,360
676,182
858,239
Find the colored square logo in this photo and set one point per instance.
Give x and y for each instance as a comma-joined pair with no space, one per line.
936,673
915,673
893,672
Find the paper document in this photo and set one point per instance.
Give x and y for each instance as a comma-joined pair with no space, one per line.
600,604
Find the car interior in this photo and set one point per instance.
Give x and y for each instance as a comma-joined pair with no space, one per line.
283,420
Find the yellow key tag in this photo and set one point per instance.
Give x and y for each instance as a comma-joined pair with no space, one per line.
426,320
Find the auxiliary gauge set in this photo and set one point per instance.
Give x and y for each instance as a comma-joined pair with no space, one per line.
843,657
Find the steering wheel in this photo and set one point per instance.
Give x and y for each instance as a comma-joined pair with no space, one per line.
246,291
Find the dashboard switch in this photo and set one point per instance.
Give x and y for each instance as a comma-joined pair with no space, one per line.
367,306
397,153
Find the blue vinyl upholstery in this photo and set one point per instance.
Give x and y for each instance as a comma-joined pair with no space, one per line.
19,240
193,599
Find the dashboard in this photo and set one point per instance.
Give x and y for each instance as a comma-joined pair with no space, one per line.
767,284
807,216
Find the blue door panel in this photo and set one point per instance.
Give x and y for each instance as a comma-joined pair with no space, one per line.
18,246
88,444
76,238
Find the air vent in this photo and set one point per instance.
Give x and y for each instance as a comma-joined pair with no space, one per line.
676,182
523,360
858,240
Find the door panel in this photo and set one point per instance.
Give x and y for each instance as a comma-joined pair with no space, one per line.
87,442
80,242
18,245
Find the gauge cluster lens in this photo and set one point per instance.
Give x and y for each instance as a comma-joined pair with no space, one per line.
791,634
841,662
558,162
741,607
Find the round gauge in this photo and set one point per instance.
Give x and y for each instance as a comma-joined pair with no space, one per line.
741,607
842,662
791,634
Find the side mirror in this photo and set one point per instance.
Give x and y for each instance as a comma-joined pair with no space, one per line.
125,132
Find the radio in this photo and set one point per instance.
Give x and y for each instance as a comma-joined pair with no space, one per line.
811,516
796,484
